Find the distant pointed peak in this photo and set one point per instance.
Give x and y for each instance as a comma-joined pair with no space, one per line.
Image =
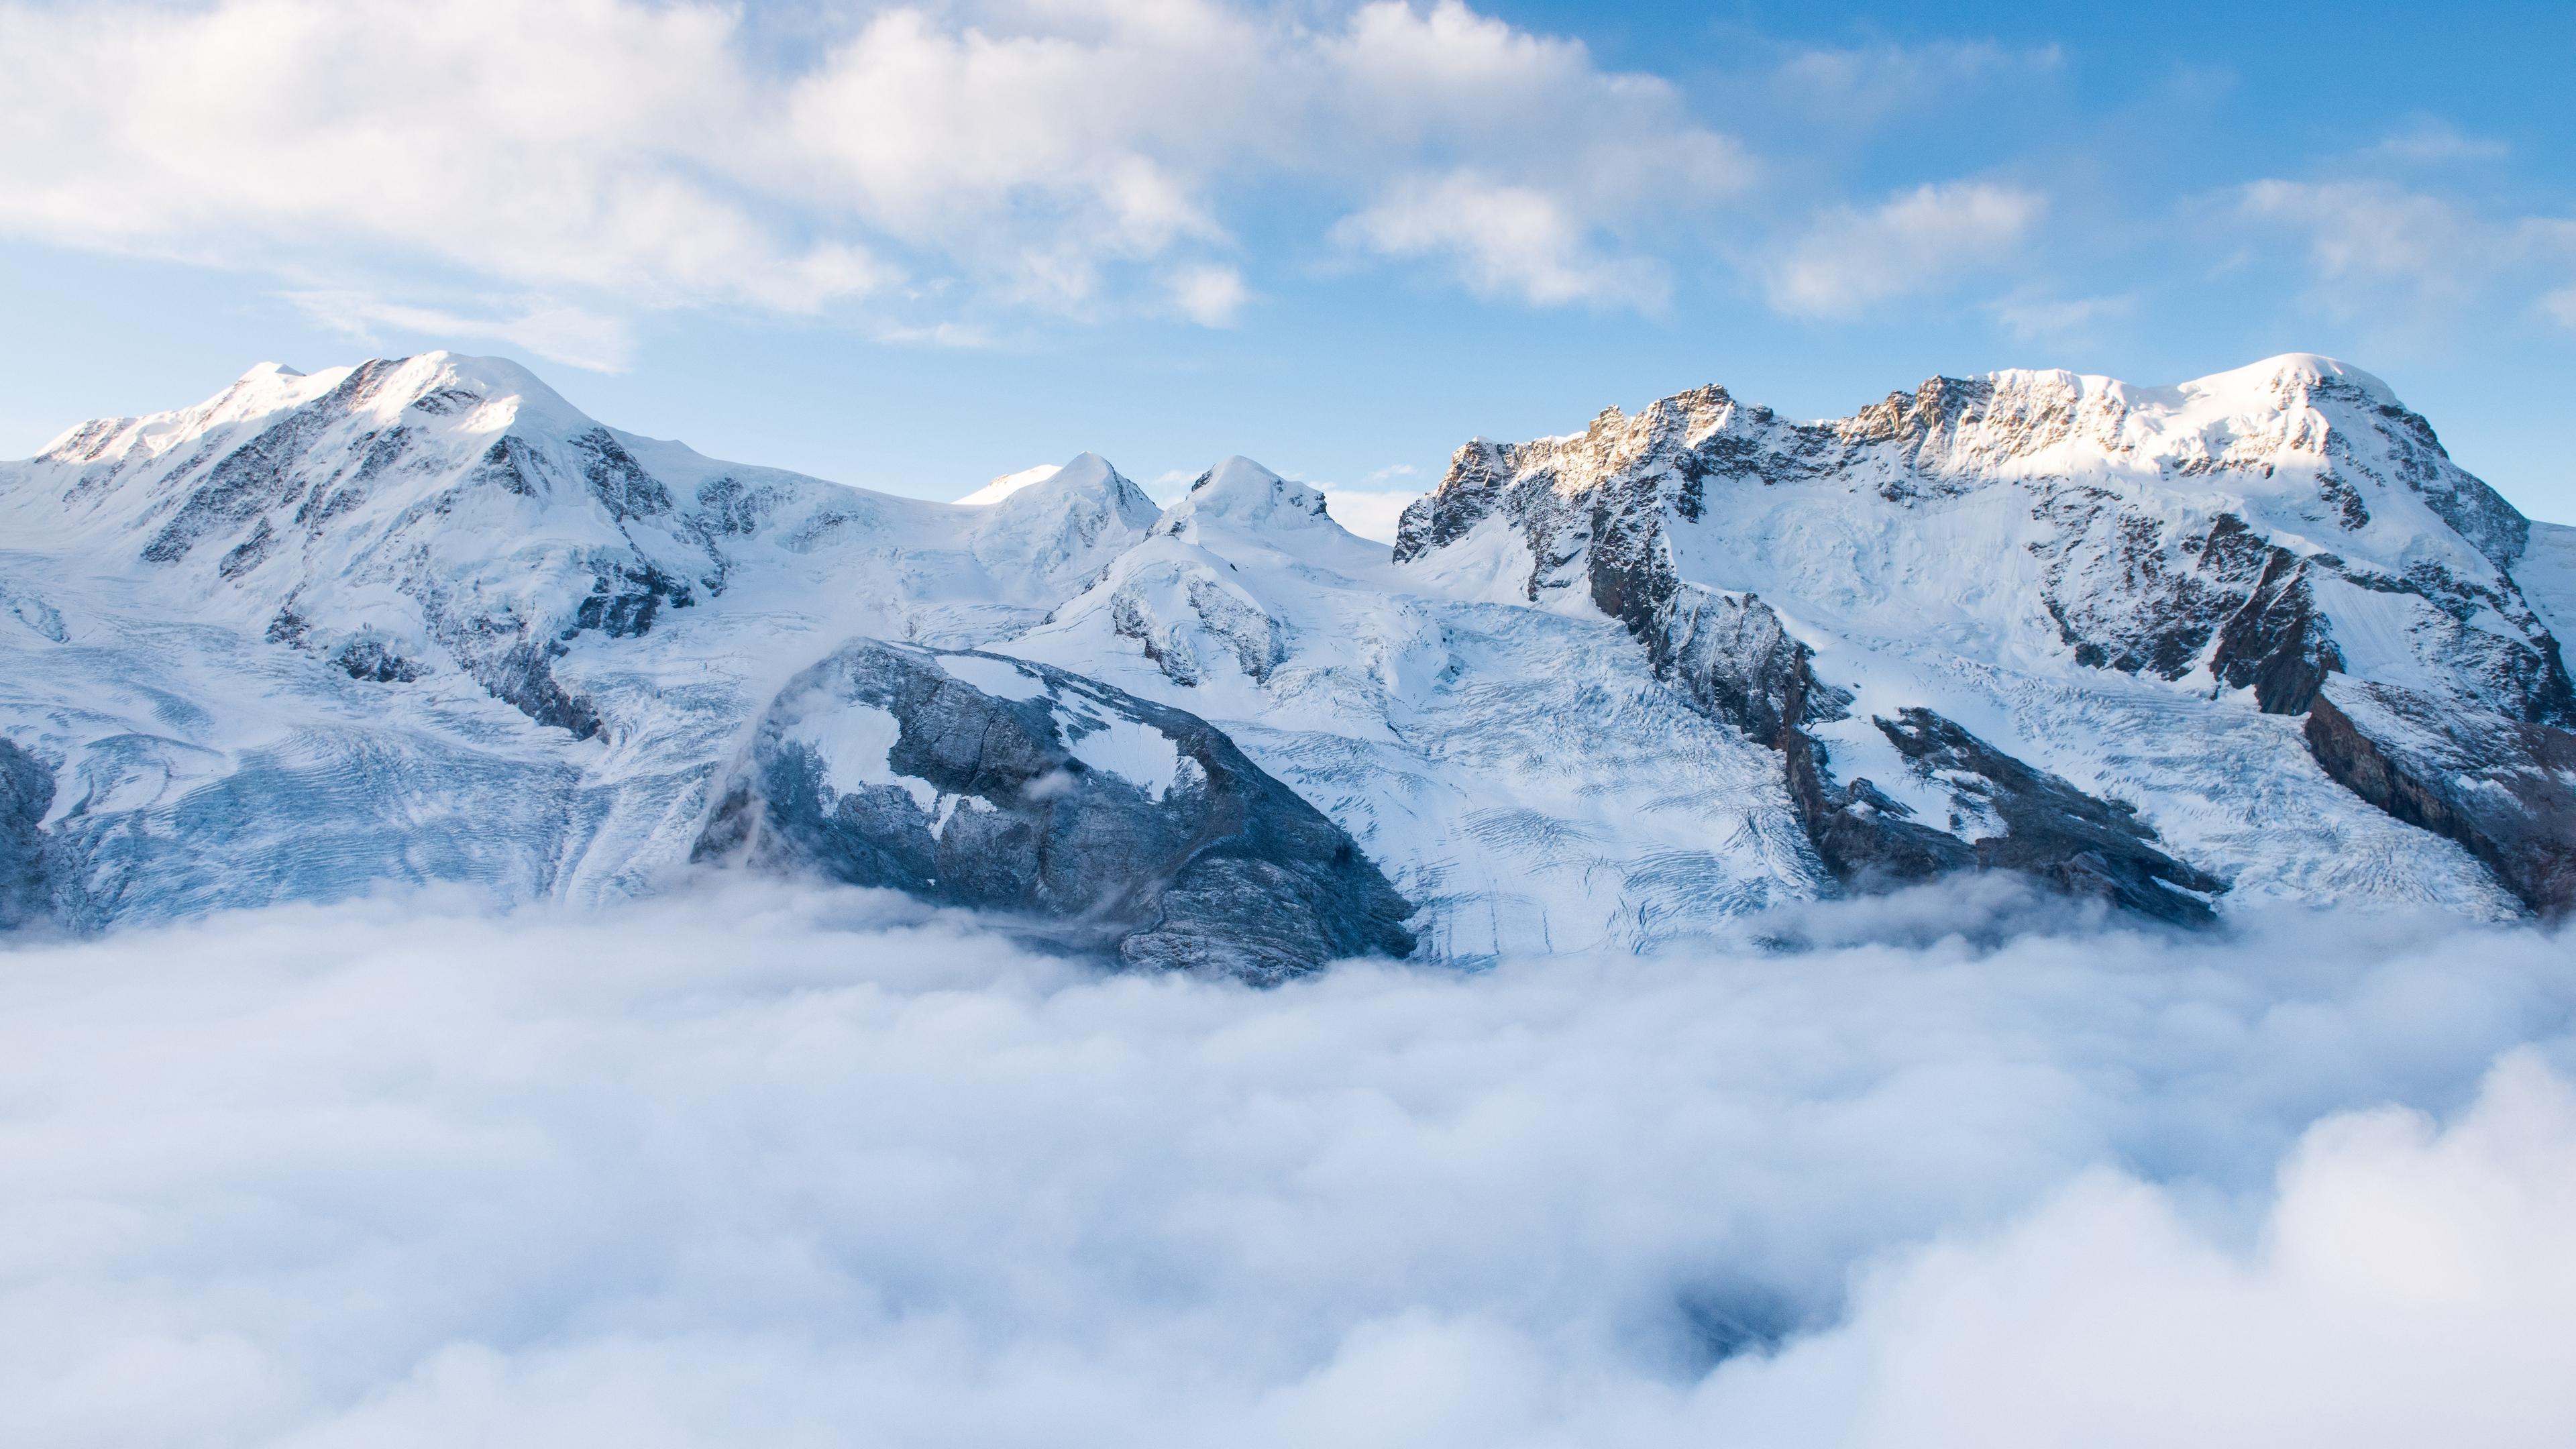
1236,473
1246,494
1082,484
1085,473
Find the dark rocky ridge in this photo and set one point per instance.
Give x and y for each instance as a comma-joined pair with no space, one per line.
2504,788
1228,870
26,793
2080,845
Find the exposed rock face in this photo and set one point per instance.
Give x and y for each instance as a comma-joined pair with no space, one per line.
2504,788
2052,831
26,792
1731,656
1099,820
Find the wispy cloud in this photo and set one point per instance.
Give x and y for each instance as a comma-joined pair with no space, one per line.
1369,512
1211,296
2379,249
1504,241
2040,318
573,335
2432,141
1916,241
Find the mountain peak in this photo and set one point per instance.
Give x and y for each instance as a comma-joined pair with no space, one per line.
1245,494
2303,369
1082,510
1085,483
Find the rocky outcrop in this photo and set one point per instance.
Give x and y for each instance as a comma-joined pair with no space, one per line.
2502,787
1730,654
26,793
2224,599
1732,657
2080,845
1093,819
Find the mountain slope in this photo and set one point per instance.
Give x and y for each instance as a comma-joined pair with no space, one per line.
423,621
2185,650
1520,774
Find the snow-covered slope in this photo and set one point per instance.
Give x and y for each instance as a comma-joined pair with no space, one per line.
424,620
1520,773
2251,638
2547,573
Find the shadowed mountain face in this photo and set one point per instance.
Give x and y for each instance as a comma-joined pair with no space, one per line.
2253,638
1092,817
26,793
2503,787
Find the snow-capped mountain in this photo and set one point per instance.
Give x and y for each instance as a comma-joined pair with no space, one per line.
2251,638
2130,590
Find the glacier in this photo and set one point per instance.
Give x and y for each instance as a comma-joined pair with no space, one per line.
2249,639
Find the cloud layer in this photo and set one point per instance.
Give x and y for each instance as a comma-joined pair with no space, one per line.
781,1168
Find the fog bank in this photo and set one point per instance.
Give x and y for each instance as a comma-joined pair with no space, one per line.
766,1166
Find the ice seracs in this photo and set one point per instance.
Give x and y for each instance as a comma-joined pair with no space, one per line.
2180,649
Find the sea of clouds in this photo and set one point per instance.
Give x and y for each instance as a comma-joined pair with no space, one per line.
778,1167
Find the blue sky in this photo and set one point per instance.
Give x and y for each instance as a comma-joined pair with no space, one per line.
912,247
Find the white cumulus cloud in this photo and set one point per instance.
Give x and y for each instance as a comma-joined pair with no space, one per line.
920,161
2409,1285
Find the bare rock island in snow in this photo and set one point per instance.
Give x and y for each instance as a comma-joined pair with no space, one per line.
1097,818
2182,650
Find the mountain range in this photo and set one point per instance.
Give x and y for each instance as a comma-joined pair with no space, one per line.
2253,639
